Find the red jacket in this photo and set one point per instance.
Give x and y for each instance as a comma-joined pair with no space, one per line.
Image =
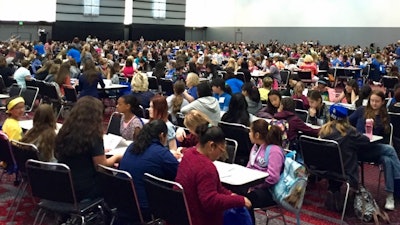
206,197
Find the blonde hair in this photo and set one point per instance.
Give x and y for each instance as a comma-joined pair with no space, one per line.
308,59
340,125
195,118
140,82
192,79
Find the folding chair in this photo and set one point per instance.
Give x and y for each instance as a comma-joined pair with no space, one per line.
302,114
118,191
299,103
70,98
153,84
395,120
285,74
7,157
29,94
239,133
231,149
3,88
323,158
167,86
167,200
52,183
389,82
305,76
21,152
15,90
241,76
114,124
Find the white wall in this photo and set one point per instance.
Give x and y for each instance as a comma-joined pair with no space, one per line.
28,10
292,13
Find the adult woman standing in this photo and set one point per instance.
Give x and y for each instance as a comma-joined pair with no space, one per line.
148,155
79,144
206,197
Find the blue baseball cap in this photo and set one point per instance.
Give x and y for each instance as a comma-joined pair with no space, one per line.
338,112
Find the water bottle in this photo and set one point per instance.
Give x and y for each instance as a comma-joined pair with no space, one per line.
369,126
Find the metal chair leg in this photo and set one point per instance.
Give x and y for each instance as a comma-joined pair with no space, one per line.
345,201
25,184
37,216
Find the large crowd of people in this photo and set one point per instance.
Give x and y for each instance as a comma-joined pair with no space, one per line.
207,88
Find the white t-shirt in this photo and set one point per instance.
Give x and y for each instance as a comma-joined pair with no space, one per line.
19,76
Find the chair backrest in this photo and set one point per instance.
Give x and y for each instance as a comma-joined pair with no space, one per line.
118,191
285,77
167,86
153,83
2,86
231,149
304,75
240,133
302,114
322,157
29,94
389,82
395,121
299,103
50,91
70,94
114,124
51,181
15,90
241,76
22,152
179,119
6,154
167,200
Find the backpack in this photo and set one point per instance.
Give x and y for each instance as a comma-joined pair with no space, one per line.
290,189
366,209
284,125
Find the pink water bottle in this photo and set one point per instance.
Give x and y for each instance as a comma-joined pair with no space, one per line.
369,126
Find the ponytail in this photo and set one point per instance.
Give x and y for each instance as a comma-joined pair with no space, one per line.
207,133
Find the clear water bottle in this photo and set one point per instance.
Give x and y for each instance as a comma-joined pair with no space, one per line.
369,126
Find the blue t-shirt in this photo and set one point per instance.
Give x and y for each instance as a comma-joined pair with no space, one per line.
235,85
75,54
193,92
156,160
39,48
223,100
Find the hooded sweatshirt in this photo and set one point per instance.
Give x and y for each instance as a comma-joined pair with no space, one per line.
295,125
207,105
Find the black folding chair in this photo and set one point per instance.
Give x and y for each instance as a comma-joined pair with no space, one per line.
3,88
323,158
239,133
118,191
70,98
167,87
15,90
7,157
29,94
21,152
153,84
231,149
52,183
302,114
167,200
285,74
114,124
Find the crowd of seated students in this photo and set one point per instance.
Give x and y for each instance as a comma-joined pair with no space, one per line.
224,97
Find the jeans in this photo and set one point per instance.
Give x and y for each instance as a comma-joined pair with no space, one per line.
385,155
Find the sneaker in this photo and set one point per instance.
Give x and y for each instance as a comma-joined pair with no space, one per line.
389,203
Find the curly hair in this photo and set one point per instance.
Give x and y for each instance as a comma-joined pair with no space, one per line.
82,129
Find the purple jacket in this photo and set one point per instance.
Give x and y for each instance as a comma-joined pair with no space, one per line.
295,125
273,167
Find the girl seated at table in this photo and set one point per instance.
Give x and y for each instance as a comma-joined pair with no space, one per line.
206,197
266,155
349,94
350,141
318,113
192,120
237,112
43,132
79,144
273,103
375,110
130,126
287,112
159,111
298,94
149,155
252,96
15,110
176,101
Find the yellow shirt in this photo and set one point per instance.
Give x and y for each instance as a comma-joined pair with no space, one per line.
263,94
12,128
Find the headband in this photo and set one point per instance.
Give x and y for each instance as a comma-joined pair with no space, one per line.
14,102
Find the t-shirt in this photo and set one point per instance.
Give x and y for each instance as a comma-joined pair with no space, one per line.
20,75
263,94
127,130
12,128
223,101
83,171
